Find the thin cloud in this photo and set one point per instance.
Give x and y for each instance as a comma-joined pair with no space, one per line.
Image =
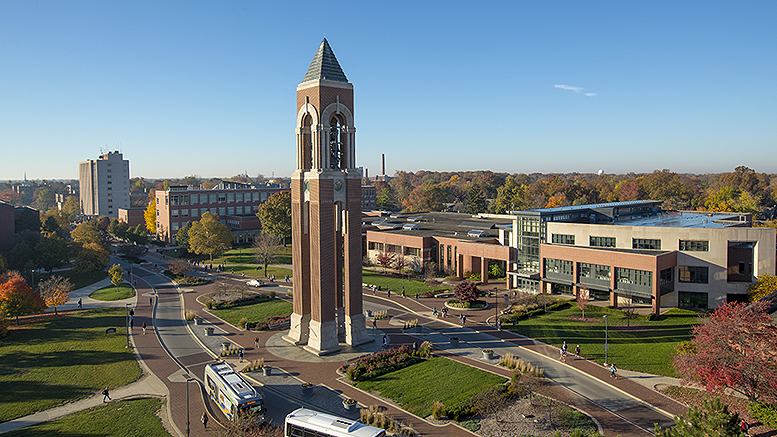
576,89
590,94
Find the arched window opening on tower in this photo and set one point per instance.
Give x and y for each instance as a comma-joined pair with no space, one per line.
337,143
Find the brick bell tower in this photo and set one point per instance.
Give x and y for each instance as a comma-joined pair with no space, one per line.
326,213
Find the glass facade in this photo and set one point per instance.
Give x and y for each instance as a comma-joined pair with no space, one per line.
563,239
693,274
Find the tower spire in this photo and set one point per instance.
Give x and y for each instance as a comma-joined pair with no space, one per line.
325,65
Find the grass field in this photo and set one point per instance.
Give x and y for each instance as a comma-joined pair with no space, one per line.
134,417
109,292
255,312
416,387
645,346
79,280
250,270
63,358
412,286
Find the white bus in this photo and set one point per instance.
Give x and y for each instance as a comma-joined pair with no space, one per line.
231,392
309,423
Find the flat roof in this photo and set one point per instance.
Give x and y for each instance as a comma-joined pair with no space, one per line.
572,208
685,219
440,224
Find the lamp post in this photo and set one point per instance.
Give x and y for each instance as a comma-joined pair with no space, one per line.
188,380
127,325
606,345
496,309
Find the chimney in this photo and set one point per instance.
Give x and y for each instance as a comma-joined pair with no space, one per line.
383,163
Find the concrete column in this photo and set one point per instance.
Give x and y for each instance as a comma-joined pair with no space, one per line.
484,270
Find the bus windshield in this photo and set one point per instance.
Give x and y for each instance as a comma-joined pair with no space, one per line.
254,408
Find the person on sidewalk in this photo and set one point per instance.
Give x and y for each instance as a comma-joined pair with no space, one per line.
577,351
564,347
385,341
204,420
563,357
374,325
106,394
613,371
256,342
240,356
79,303
144,328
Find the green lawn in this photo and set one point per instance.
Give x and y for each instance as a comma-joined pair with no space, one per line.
79,280
412,286
134,417
63,358
238,255
418,386
644,347
109,293
250,270
255,312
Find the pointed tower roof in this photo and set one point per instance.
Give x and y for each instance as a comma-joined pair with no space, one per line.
325,65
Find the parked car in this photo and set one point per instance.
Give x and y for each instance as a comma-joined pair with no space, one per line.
255,283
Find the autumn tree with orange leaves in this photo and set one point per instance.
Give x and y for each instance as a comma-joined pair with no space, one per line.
17,298
735,348
55,291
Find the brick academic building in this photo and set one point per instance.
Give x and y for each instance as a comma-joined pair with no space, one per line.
631,253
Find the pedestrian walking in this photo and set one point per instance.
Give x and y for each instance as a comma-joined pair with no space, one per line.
745,427
613,371
403,290
79,303
563,357
240,355
256,342
389,292
385,341
564,347
374,325
204,420
144,328
132,322
150,301
416,297
106,395
434,311
463,320
577,351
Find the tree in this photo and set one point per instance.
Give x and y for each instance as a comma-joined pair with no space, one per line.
267,249
582,299
118,229
766,285
17,298
275,215
138,235
55,291
117,275
86,233
19,256
91,257
44,199
182,237
178,266
385,260
476,200
209,236
465,291
712,420
51,252
736,348
150,216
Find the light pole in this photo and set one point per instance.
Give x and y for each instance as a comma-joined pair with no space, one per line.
188,380
606,345
496,309
127,305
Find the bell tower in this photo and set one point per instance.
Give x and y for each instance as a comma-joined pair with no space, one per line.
326,213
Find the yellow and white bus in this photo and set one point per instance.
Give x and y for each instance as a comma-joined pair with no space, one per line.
309,423
231,392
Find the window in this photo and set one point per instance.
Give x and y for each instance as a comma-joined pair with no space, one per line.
194,212
601,241
239,210
174,200
256,196
393,248
693,274
222,211
173,213
694,245
230,197
231,211
593,271
559,266
376,246
195,198
691,300
214,211
222,197
238,197
642,278
174,226
645,243
203,211
264,196
413,251
212,198
563,239
184,213
184,199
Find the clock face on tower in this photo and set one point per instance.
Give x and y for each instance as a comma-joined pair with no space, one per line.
338,185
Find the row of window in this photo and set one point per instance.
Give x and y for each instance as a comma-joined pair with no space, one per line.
393,248
238,210
687,274
636,243
186,199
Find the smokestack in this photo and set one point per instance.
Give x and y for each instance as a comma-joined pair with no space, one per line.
383,163
367,173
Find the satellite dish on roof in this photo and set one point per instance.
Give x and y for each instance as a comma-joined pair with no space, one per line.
600,172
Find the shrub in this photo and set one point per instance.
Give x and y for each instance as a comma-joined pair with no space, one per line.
379,363
272,294
190,315
242,322
512,362
426,349
438,410
374,416
766,413
466,291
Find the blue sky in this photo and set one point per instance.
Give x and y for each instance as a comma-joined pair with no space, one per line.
208,88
